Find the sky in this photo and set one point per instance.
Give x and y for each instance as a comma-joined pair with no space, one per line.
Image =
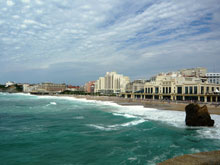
75,41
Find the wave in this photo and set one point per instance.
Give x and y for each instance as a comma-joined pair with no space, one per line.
53,103
116,126
79,117
173,118
124,115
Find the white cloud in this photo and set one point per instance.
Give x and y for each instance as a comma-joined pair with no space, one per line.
23,26
100,32
39,11
38,2
2,22
10,3
25,1
32,22
16,16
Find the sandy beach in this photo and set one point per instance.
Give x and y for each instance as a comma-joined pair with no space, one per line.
162,105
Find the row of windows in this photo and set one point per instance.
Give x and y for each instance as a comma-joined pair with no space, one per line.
165,90
213,74
188,90
214,81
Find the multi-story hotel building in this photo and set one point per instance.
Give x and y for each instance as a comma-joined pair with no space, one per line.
111,83
89,87
178,86
213,78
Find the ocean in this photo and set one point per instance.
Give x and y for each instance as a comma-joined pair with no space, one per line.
65,131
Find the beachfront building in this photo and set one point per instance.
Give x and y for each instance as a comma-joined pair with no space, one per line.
213,78
51,87
43,88
136,86
178,86
112,83
27,88
89,87
72,88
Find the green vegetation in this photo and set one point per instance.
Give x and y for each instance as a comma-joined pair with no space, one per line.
19,88
2,86
13,88
73,92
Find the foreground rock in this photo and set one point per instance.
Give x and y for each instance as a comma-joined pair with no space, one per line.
202,158
198,116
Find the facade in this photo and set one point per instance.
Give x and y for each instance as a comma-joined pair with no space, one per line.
135,86
51,87
43,88
90,87
72,88
213,78
194,72
112,83
178,86
27,88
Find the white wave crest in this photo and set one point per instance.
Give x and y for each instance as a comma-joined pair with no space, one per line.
173,118
116,126
79,117
124,115
53,103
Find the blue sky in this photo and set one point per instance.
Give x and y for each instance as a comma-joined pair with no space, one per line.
77,41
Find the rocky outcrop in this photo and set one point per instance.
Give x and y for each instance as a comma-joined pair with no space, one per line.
198,116
202,158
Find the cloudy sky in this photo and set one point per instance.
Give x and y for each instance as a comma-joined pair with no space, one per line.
74,41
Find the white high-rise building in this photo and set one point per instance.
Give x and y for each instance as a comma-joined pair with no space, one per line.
111,83
213,78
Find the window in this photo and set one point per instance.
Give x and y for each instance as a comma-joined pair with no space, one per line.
190,90
179,90
169,89
202,90
207,89
186,90
156,89
195,90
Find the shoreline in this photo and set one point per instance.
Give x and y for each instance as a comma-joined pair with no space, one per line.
157,104
147,103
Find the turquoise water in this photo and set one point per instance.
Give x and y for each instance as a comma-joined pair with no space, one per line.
50,130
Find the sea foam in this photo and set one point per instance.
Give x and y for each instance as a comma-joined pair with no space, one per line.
173,118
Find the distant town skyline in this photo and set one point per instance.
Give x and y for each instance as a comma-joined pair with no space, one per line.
78,41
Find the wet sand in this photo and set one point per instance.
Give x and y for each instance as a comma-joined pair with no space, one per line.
157,104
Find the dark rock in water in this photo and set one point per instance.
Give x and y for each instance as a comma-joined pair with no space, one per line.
198,116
